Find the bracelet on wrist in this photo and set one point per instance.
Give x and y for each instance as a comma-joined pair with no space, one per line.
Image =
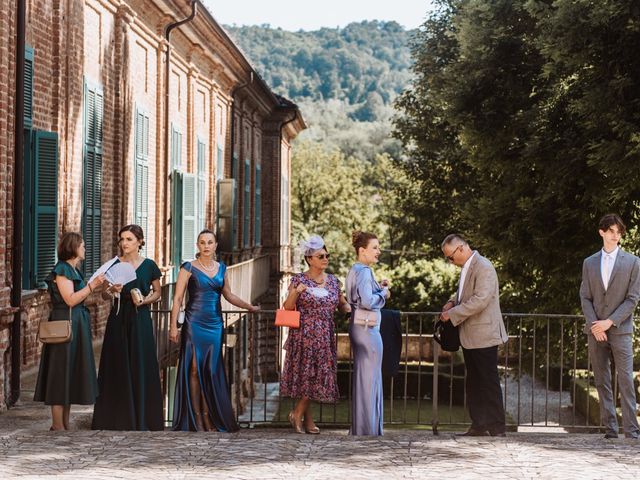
90,289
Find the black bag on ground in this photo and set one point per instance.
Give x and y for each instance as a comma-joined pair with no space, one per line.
447,335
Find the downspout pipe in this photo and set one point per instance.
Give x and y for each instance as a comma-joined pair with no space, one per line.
18,192
167,77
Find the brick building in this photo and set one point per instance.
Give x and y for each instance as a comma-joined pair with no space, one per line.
112,136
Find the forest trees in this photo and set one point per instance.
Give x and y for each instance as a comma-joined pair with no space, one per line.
523,124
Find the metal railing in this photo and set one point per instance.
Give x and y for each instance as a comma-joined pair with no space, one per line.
544,372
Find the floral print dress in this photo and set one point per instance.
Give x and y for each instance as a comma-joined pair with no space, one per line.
310,367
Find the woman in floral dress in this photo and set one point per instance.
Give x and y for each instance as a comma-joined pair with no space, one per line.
310,367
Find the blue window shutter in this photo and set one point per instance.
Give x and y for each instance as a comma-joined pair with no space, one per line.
93,151
45,205
202,184
258,206
247,202
141,202
189,198
28,86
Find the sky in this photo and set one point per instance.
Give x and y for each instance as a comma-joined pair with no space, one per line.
312,15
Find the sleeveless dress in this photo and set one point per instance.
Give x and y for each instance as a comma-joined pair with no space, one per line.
363,291
310,366
130,396
202,335
67,372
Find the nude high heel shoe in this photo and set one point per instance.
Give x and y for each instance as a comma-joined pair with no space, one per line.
295,423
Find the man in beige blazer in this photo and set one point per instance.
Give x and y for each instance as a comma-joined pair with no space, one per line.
475,310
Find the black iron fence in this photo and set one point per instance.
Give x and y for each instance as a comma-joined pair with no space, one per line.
544,370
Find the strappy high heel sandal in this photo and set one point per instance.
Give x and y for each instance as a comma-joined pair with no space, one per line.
295,423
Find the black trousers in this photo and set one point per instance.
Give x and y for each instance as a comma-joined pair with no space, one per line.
484,395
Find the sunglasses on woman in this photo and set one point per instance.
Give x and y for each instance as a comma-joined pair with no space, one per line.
322,256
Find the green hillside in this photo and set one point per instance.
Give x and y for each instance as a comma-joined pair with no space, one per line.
363,63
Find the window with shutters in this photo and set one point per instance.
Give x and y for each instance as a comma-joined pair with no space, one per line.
247,202
92,178
258,206
141,200
284,195
41,197
28,87
184,217
235,174
189,216
202,184
220,162
176,148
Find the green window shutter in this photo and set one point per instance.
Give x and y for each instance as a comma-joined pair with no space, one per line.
202,184
45,205
189,192
28,86
141,202
28,217
235,219
176,148
176,220
258,206
247,202
93,151
220,164
284,233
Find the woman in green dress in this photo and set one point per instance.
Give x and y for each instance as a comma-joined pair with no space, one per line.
67,372
130,396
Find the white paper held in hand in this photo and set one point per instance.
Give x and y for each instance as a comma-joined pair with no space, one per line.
120,273
103,268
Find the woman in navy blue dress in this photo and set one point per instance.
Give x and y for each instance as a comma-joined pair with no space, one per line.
202,401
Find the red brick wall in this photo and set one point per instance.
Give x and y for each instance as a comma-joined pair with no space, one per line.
120,47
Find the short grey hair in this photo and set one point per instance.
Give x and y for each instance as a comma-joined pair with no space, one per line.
452,237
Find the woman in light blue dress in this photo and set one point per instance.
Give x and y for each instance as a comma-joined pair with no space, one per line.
202,399
364,293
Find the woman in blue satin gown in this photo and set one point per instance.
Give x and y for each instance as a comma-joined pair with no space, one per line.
202,401
363,292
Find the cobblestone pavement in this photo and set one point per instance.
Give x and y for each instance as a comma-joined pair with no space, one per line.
28,450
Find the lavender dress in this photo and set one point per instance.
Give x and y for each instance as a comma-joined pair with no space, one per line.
366,344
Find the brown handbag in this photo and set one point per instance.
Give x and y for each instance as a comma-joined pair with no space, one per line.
287,318
55,331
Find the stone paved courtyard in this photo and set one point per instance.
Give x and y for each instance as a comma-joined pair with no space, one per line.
28,450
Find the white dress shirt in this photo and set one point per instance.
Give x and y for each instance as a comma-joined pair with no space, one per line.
463,274
607,261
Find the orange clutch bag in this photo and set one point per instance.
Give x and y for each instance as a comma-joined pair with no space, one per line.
287,318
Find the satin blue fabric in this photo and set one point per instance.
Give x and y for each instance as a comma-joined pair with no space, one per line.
366,345
202,335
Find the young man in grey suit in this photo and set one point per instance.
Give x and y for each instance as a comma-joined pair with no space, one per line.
609,294
475,309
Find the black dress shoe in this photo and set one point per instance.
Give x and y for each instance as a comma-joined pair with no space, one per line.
472,432
610,435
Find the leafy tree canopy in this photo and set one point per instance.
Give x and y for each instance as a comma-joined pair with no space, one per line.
522,125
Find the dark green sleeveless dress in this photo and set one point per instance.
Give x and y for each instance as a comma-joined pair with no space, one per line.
67,370
129,379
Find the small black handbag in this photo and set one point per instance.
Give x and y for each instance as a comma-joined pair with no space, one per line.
447,335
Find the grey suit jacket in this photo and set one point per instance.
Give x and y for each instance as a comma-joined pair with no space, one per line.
619,300
477,313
